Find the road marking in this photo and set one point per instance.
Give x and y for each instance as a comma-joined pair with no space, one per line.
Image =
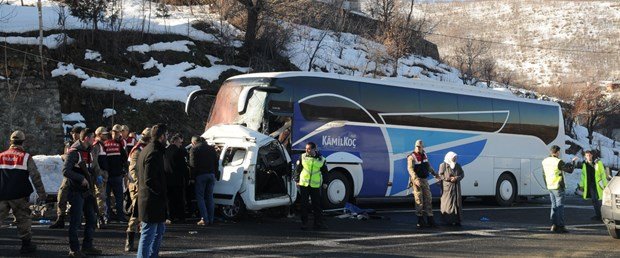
333,242
492,209
358,248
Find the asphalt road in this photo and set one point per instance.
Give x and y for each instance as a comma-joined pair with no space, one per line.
521,230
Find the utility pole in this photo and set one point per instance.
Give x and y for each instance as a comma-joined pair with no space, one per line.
39,7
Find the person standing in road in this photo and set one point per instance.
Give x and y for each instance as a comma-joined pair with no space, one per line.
16,168
176,176
419,168
451,174
204,166
117,158
593,181
309,172
80,170
101,135
133,226
553,168
152,201
63,190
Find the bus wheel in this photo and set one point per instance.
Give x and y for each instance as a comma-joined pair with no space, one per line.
234,211
338,190
506,190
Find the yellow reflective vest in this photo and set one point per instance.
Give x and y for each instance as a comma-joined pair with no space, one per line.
553,175
311,172
599,177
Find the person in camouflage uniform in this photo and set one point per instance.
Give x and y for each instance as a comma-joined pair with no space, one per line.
63,191
16,168
99,154
419,167
133,225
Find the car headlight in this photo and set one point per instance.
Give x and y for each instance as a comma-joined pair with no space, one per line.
607,197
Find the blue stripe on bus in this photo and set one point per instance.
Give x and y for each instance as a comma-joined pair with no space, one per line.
402,140
467,153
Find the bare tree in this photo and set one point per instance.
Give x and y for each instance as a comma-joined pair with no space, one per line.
592,106
488,70
468,58
253,10
383,10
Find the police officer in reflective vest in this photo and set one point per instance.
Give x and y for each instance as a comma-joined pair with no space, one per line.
309,169
593,181
553,168
16,167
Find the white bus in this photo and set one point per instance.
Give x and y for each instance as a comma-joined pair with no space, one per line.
366,128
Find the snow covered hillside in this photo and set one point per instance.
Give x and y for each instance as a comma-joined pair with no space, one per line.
545,41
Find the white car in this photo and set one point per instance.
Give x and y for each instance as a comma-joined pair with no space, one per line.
610,210
255,171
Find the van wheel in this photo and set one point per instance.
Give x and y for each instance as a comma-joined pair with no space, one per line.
505,190
338,191
235,211
613,232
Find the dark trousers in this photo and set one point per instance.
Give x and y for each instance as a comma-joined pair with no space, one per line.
82,205
115,185
596,203
176,202
315,194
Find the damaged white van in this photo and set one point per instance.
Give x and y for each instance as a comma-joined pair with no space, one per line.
255,168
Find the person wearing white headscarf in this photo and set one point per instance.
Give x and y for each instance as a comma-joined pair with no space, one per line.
451,174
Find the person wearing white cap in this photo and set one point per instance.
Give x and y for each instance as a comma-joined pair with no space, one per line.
101,135
117,158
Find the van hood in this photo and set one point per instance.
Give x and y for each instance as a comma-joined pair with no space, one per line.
235,133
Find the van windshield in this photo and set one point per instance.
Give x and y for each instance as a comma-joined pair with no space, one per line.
225,110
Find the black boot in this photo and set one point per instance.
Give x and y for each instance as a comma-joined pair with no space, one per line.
27,247
431,222
421,222
129,247
59,223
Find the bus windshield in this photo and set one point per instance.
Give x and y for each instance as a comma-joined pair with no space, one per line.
226,107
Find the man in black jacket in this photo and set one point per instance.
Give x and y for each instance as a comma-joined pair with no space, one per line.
80,169
175,165
152,201
204,166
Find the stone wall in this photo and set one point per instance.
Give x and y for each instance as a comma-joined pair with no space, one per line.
34,110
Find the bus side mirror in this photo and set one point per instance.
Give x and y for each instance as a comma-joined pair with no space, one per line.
193,96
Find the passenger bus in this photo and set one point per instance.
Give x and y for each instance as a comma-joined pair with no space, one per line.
367,127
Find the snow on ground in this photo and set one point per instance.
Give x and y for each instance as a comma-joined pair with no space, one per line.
345,53
163,86
23,19
92,55
179,46
68,69
50,168
108,112
52,41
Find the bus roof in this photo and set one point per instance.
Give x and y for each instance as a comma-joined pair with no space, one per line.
401,82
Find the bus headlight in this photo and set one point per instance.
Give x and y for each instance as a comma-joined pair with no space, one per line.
607,197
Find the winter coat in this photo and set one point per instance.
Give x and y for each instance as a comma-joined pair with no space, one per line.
152,193
176,166
203,159
117,157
